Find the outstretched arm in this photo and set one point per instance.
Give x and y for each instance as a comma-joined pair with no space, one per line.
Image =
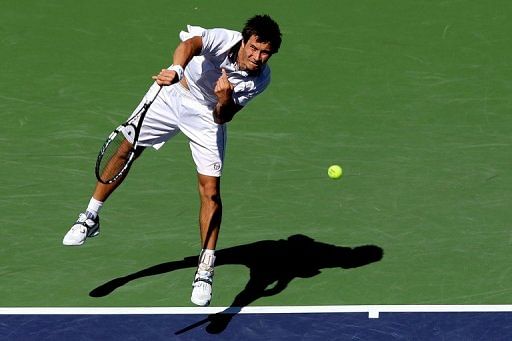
185,51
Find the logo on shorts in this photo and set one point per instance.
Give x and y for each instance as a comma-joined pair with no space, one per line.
217,166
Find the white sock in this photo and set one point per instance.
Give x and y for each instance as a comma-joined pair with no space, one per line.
93,209
207,257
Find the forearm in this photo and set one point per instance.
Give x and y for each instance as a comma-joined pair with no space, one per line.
186,50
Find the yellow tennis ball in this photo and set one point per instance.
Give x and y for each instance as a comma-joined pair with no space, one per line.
335,172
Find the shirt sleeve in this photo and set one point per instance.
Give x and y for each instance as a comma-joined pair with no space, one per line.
192,31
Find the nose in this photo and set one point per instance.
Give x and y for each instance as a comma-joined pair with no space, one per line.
257,55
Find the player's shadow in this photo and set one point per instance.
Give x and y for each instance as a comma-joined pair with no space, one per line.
273,264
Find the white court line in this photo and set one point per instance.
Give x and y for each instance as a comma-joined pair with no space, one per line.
372,310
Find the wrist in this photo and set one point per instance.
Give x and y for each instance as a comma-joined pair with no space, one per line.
178,69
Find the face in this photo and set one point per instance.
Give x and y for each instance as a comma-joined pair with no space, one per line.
253,54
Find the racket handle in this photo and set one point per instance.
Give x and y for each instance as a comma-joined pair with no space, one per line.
152,94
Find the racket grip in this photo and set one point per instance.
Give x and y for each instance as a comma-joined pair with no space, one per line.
152,93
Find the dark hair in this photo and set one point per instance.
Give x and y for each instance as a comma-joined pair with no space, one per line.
265,28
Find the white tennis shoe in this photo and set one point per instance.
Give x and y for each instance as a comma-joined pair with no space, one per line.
202,286
84,227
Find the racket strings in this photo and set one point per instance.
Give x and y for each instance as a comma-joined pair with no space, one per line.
115,159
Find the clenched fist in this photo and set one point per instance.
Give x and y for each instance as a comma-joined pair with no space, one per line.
223,88
166,77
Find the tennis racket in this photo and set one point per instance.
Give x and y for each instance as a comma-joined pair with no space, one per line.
117,153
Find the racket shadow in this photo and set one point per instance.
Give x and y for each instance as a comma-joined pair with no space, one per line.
273,264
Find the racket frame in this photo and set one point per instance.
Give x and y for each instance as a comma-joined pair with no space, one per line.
119,130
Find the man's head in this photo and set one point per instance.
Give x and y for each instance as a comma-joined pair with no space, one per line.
261,39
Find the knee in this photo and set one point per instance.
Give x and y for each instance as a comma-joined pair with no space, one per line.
209,191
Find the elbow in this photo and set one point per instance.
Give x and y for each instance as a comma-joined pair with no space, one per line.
193,45
223,115
221,120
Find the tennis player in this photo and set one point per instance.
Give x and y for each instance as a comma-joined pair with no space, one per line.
215,73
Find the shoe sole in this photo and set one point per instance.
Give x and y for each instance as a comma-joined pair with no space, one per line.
72,244
200,303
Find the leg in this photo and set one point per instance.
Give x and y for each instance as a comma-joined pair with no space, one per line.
207,143
160,124
88,224
210,213
209,223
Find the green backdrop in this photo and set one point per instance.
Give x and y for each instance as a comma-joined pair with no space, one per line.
412,98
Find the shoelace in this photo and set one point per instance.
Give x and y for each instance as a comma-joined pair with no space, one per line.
82,220
203,277
81,228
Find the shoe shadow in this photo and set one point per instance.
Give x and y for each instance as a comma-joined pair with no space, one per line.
273,264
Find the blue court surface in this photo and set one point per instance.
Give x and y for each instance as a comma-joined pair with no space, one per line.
362,323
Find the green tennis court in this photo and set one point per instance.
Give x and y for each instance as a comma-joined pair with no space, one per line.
412,98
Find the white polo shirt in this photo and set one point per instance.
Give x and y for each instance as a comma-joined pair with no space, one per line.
204,70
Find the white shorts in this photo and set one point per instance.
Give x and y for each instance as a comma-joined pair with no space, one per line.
176,109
